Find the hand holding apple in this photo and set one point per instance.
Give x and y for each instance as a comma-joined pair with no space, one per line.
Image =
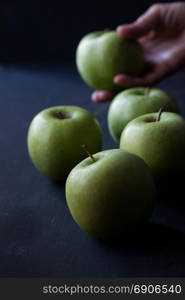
160,31
102,55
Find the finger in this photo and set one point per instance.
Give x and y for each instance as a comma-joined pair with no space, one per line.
147,37
128,81
100,96
143,25
148,79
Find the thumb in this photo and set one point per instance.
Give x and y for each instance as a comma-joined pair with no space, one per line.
147,22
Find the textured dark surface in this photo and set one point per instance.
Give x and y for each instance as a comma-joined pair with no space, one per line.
37,234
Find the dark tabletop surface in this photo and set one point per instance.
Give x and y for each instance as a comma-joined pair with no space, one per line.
38,237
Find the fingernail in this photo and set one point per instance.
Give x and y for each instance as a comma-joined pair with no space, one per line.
118,79
94,97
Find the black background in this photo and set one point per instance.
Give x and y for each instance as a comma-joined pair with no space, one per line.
51,30
37,234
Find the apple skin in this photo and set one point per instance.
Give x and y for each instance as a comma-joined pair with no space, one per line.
111,196
161,144
55,137
134,102
102,55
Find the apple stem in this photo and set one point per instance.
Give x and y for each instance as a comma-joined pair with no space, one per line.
88,152
159,115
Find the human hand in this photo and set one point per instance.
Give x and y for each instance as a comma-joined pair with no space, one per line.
161,32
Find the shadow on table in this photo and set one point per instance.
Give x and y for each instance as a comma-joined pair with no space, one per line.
148,236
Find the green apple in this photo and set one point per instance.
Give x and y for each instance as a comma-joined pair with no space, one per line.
102,55
110,193
55,137
159,139
133,103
